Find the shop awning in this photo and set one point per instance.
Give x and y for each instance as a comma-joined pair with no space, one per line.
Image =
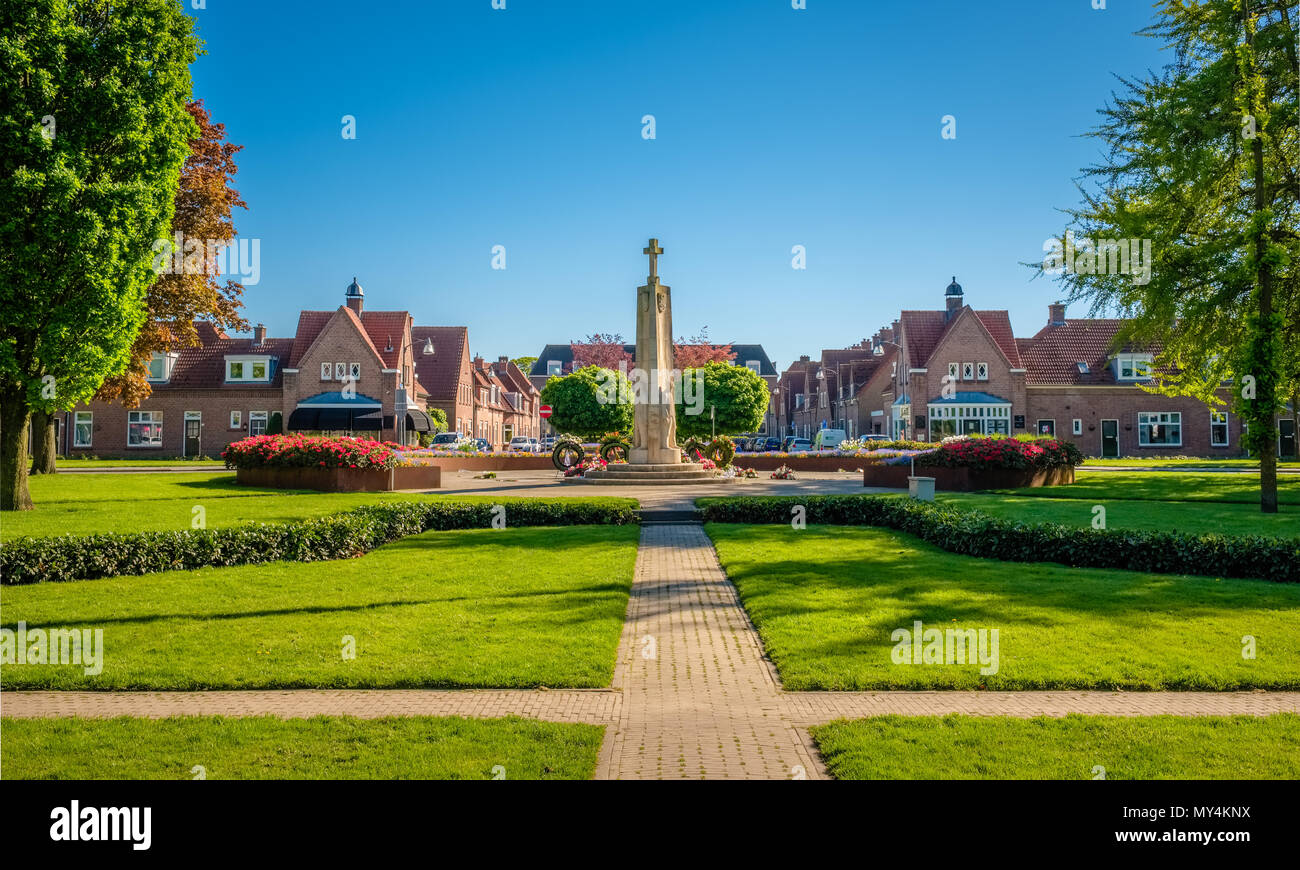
304,419
418,421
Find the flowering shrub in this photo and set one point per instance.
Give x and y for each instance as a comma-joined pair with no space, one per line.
584,466
307,451
1001,452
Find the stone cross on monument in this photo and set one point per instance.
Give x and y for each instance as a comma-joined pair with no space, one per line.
654,414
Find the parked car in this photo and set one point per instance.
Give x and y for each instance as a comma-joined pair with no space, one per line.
770,444
829,439
448,440
787,441
482,445
797,445
873,436
523,444
548,443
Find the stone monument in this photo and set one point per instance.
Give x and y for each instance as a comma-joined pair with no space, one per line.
654,456
654,421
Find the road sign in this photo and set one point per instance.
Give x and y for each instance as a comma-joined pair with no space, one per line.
544,411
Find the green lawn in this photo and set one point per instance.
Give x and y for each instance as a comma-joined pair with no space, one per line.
1075,747
827,599
85,504
1166,516
1184,463
324,747
1166,486
137,463
517,607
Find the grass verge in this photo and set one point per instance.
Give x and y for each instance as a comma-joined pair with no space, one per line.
324,747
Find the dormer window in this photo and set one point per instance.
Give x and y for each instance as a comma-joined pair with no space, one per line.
554,367
1133,366
160,367
754,366
250,369
1083,367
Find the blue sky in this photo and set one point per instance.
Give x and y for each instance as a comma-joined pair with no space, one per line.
522,127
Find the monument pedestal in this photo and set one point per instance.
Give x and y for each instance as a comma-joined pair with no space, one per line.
650,474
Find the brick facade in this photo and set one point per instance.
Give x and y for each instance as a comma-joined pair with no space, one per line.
201,404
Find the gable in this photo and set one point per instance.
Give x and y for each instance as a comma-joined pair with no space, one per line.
340,339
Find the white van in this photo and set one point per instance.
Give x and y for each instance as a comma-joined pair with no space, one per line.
829,439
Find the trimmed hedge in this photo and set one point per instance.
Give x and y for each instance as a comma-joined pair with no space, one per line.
972,533
341,536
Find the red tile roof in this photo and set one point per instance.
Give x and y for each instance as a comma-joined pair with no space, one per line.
440,372
1053,354
386,329
204,366
310,323
925,329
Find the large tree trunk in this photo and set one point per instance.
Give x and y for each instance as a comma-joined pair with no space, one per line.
44,448
13,450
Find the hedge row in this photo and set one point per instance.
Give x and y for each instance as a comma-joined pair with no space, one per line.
341,536
972,533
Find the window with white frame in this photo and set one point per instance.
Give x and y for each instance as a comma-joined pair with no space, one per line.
354,371
1076,426
981,418
340,371
1218,428
248,368
327,371
1160,429
755,366
953,370
144,428
83,426
160,367
1133,366
554,367
981,371
236,419
968,371
256,422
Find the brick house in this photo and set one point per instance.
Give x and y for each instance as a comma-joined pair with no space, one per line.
347,371
523,399
445,373
959,370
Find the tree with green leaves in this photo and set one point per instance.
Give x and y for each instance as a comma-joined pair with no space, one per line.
1201,162
92,139
590,402
733,400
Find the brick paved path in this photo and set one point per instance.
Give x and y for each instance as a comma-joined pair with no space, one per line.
693,696
700,700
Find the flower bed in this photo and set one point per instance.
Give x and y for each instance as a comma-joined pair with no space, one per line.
965,463
312,451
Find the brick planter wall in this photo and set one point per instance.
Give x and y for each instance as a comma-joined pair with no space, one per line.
770,462
966,479
342,479
525,462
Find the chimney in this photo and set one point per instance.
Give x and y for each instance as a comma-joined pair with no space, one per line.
1056,314
259,334
895,331
504,362
355,296
805,358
